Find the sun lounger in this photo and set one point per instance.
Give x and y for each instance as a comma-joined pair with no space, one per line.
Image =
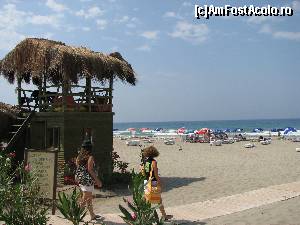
169,142
228,141
216,143
249,145
133,143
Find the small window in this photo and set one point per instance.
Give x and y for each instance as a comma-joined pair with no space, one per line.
88,134
53,137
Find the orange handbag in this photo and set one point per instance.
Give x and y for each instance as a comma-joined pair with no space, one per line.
152,192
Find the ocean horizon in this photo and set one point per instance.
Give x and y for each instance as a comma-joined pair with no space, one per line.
247,125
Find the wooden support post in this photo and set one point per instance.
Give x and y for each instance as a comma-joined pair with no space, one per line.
44,91
64,94
19,91
40,94
111,82
89,93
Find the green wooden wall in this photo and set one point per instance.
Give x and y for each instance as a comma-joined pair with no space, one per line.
72,126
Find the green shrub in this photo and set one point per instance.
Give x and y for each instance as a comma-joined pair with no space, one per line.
20,200
140,211
70,208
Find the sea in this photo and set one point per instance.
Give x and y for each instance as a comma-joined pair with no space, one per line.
246,125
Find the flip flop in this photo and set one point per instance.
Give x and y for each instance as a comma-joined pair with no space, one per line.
168,217
96,217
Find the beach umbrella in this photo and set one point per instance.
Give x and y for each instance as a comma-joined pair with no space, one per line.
115,129
202,131
276,129
289,129
257,130
218,131
227,130
181,130
131,129
158,129
144,128
238,130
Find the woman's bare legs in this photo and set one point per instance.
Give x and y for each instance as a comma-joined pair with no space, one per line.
87,199
163,212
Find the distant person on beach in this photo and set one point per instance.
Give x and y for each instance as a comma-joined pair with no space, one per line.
150,170
86,177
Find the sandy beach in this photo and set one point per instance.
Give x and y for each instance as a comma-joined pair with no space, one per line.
202,172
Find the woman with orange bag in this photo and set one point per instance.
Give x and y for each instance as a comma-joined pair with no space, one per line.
152,180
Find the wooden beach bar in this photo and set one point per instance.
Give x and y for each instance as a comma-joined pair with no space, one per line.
72,98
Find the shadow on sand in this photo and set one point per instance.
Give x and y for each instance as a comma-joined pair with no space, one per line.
185,222
170,183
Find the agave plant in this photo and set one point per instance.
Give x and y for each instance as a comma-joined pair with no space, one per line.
68,205
142,213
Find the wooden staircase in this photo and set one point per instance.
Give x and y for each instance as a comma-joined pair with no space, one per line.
19,128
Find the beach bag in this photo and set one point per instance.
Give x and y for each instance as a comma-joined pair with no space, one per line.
152,190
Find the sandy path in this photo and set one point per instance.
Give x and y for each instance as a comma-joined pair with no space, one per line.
200,172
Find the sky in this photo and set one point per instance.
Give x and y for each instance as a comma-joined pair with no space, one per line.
187,69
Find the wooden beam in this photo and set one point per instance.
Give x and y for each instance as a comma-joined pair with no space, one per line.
40,94
111,83
88,92
19,91
65,87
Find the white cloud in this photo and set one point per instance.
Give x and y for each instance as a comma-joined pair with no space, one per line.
296,5
47,35
288,35
86,28
258,19
169,14
150,34
9,38
55,6
52,20
186,4
124,19
266,28
131,25
92,12
115,49
195,33
10,17
131,22
144,48
101,24
10,20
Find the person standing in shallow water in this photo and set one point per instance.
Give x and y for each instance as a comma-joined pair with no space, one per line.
150,164
86,177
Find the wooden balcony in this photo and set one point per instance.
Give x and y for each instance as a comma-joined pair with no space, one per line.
77,99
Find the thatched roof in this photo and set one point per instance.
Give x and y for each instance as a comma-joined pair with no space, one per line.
33,58
8,114
9,110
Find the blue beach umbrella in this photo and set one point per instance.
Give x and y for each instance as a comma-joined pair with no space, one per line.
227,130
238,130
257,130
289,129
217,131
276,129
158,129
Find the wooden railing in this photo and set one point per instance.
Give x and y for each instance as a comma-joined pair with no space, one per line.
97,100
